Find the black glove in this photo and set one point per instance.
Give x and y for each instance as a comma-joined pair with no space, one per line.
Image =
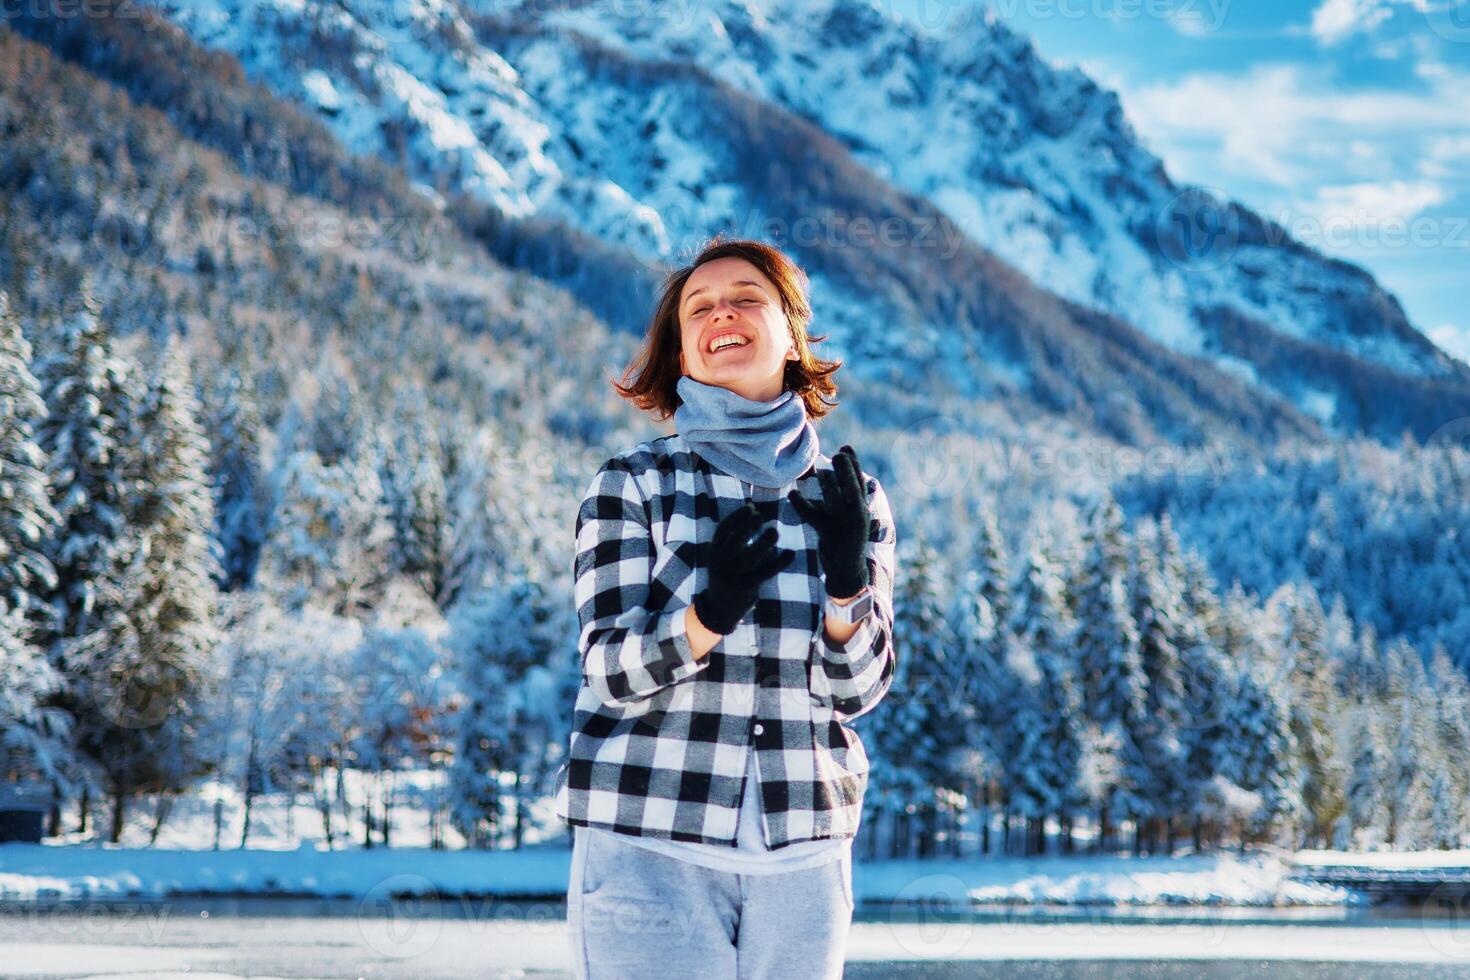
842,522
737,567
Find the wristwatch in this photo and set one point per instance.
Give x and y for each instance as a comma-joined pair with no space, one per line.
854,611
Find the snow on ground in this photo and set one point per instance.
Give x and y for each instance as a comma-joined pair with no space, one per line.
1459,858
287,854
1253,879
88,871
76,871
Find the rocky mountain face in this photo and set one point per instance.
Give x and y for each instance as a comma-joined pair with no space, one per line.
972,217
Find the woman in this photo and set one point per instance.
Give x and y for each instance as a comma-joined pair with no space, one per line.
735,592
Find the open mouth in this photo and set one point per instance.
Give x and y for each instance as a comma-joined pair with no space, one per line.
739,343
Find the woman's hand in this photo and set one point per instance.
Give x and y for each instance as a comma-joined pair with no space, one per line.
842,522
737,567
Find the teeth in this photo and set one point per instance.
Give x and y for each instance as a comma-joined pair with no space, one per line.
730,341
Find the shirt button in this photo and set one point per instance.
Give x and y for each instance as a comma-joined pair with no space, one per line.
759,729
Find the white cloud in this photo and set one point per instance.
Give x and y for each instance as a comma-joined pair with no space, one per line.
1334,20
1367,205
1447,157
1289,124
1192,22
1452,339
1104,72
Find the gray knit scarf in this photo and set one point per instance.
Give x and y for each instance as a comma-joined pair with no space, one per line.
768,444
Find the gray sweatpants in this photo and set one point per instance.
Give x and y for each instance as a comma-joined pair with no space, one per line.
635,913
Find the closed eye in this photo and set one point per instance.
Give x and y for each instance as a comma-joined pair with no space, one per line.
704,309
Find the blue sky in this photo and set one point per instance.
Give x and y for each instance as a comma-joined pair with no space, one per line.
1347,121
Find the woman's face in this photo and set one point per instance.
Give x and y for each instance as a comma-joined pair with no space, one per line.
729,296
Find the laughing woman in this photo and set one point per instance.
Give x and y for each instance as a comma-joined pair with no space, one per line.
735,593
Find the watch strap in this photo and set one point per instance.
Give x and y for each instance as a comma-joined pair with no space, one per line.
853,611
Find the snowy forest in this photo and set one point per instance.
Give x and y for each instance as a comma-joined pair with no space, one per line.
193,594
291,451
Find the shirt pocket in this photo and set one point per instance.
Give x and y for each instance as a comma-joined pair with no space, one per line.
670,708
839,750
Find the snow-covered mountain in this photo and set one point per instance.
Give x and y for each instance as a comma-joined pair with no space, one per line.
644,125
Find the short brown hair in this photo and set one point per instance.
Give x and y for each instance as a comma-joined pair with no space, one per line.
655,368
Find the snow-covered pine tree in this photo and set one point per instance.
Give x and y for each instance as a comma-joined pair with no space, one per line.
339,429
34,742
1452,701
1025,769
1206,676
1303,630
1107,657
1158,762
27,518
1406,678
237,474
472,523
1408,705
1365,790
1445,817
1362,675
89,446
1340,643
476,807
1243,631
1261,757
156,660
414,493
481,506
983,674
500,531
1324,556
516,690
1408,802
992,568
171,582
1202,597
81,381
174,510
1046,775
914,729
329,537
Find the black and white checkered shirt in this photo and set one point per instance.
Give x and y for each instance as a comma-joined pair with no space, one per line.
659,739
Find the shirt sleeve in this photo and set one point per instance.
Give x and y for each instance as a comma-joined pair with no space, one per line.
860,670
630,647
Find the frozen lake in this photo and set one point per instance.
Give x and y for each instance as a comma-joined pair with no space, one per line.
497,938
